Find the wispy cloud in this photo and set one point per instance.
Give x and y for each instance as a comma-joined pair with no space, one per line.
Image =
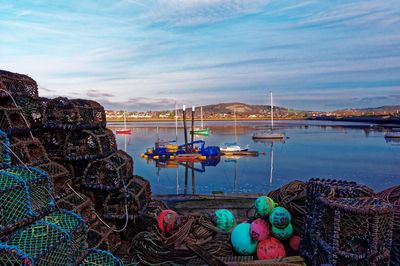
312,54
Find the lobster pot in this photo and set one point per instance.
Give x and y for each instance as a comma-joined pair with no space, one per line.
32,108
39,244
17,84
325,188
392,195
12,120
39,188
5,159
79,204
100,236
59,176
89,144
100,257
135,196
77,168
63,113
75,228
27,149
54,143
353,231
108,174
15,208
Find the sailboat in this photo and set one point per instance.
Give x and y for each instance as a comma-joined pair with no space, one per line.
125,130
269,134
233,146
201,131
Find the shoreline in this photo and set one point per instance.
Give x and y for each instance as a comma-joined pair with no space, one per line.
198,120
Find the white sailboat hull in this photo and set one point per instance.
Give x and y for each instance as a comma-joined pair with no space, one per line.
268,135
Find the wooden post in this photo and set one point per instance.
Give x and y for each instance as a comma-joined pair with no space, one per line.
192,126
184,128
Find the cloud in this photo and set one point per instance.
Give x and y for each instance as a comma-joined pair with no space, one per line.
138,104
98,94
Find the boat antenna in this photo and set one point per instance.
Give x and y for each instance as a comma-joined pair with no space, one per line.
272,112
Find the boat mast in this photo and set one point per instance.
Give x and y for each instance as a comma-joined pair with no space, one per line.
234,116
124,120
272,113
176,123
201,117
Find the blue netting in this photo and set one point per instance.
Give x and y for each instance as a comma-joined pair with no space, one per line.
39,187
42,243
15,208
100,257
5,159
74,226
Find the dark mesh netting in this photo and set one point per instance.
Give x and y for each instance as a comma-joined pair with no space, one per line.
353,231
134,197
110,173
17,84
100,257
99,236
32,108
27,149
59,176
392,195
5,159
89,144
63,113
324,188
54,143
12,119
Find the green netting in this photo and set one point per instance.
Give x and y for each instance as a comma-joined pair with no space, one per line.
39,188
15,206
11,255
5,159
45,243
100,257
74,226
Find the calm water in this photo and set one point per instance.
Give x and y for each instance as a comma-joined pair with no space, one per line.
323,149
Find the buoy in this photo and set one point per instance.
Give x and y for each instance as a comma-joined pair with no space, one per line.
172,157
223,219
282,233
280,217
264,205
166,220
270,248
241,240
259,229
294,243
156,157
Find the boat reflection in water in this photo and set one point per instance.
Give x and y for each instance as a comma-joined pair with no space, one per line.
393,141
270,142
193,165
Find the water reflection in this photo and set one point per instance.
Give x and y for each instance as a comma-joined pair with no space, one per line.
333,150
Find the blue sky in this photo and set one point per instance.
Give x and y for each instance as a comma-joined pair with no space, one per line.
141,55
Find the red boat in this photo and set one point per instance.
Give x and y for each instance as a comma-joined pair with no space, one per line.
125,131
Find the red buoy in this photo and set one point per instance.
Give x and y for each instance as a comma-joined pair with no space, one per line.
270,248
294,243
166,220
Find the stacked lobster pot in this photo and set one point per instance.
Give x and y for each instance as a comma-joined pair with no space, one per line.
21,115
345,224
33,231
74,134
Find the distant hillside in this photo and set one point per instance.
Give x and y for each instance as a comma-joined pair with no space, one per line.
381,109
239,108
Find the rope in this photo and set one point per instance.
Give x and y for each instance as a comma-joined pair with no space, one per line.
26,122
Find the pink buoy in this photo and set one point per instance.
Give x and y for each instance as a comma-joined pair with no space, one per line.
166,220
259,229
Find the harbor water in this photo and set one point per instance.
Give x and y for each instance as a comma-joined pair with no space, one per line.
313,149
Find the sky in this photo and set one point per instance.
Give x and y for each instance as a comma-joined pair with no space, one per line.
147,55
